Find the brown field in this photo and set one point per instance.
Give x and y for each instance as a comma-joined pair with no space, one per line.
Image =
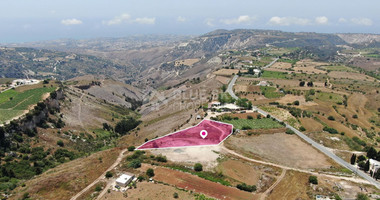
199,185
288,150
244,115
188,62
350,75
311,125
238,170
148,191
371,64
223,79
310,67
281,65
260,175
293,186
228,72
291,98
247,88
69,178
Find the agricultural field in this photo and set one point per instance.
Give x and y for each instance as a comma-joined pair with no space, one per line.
270,92
340,68
275,75
247,124
329,97
13,103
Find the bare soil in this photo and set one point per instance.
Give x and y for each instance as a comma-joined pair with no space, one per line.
288,150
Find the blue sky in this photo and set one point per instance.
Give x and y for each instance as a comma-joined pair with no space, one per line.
35,20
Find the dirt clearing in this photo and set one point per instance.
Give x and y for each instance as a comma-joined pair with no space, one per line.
279,148
199,185
190,155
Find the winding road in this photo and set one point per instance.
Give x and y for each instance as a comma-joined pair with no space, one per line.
321,148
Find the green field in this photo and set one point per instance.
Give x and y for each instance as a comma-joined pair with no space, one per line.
13,103
273,74
340,68
331,97
270,92
264,123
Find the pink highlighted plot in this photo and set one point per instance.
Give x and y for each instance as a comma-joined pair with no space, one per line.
207,132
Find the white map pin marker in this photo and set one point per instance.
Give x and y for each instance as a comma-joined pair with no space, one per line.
203,134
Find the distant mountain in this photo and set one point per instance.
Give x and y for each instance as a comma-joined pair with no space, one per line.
149,60
28,62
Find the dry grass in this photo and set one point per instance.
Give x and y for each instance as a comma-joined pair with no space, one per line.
288,150
350,75
68,179
228,72
149,190
188,62
293,186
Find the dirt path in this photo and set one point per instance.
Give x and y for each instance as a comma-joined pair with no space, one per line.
117,162
353,179
269,190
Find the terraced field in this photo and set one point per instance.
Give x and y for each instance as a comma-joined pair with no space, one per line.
14,103
264,123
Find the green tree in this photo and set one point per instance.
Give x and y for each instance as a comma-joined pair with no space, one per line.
60,143
150,172
175,195
361,196
366,166
224,87
353,159
131,148
313,180
135,164
372,153
198,167
125,125
109,174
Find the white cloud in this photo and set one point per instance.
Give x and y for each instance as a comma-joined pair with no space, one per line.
181,19
209,22
322,20
362,21
342,20
241,19
287,21
145,20
118,19
73,21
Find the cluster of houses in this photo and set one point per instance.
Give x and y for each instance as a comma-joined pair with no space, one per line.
19,82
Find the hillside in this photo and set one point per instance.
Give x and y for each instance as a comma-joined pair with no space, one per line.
40,64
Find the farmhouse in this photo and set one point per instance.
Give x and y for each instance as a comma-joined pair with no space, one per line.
374,165
124,179
215,104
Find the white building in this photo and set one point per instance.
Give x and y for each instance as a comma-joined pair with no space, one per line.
374,165
18,82
124,179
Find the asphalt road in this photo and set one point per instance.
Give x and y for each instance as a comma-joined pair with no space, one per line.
310,141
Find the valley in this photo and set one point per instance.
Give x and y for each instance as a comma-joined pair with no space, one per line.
301,106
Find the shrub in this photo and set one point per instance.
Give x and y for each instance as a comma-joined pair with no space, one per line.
161,158
60,143
198,167
313,180
361,196
355,116
109,174
245,187
330,130
246,127
150,172
131,148
249,117
175,195
98,188
302,128
331,118
135,164
297,103
289,131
